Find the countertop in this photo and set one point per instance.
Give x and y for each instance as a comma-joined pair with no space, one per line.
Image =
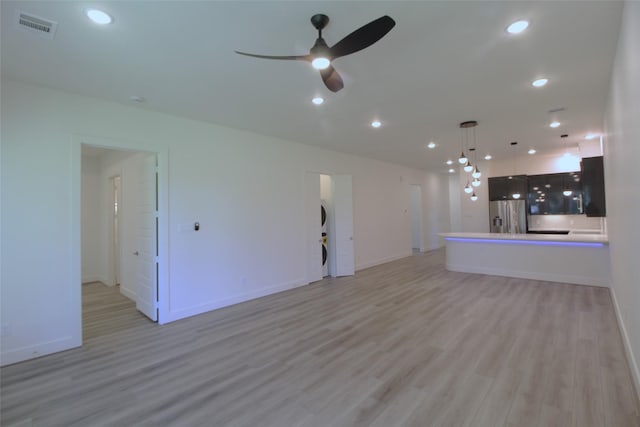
585,238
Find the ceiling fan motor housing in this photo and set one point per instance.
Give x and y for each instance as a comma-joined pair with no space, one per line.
319,21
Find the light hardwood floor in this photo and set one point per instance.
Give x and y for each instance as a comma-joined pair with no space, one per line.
403,344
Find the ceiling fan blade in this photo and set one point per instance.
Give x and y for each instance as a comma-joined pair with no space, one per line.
291,57
331,79
363,37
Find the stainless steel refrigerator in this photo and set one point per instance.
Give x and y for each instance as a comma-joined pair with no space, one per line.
508,216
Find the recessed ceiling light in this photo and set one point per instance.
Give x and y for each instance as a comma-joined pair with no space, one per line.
98,16
431,145
488,157
449,162
451,170
554,124
517,27
539,82
376,124
531,151
317,100
591,136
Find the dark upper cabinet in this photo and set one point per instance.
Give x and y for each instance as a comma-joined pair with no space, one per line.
503,187
593,186
546,194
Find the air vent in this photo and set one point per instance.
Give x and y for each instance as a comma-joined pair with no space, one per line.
35,24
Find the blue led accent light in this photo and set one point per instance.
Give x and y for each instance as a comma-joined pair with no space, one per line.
527,242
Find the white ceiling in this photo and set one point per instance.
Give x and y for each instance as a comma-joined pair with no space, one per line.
443,63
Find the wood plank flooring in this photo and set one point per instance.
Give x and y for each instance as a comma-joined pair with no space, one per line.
403,344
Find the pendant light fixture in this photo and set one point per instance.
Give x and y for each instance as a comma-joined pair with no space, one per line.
566,191
468,166
463,159
476,173
515,194
467,188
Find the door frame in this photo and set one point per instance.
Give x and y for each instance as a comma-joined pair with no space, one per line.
75,233
115,254
420,218
331,230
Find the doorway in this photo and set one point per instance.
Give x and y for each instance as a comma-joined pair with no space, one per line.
417,240
122,239
329,207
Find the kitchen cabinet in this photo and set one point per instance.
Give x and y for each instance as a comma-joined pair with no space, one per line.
545,194
593,186
503,187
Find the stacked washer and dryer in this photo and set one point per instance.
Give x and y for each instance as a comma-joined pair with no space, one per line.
323,219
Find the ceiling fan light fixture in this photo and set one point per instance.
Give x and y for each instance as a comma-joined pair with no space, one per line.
318,100
320,63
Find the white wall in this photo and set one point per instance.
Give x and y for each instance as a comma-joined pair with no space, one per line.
91,199
622,151
246,190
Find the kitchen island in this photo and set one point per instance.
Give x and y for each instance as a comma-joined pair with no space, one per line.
573,258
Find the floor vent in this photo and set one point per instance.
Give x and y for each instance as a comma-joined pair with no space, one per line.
34,24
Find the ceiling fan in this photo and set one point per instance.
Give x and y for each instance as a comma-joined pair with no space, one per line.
321,55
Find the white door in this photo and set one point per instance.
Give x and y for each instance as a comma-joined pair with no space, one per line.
146,239
342,222
314,227
116,230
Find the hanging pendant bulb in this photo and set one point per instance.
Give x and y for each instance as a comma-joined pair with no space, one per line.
516,196
567,192
463,159
474,197
476,173
476,182
468,167
468,189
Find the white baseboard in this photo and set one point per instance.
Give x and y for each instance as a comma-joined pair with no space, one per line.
633,363
92,279
37,350
127,293
534,275
236,299
383,260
